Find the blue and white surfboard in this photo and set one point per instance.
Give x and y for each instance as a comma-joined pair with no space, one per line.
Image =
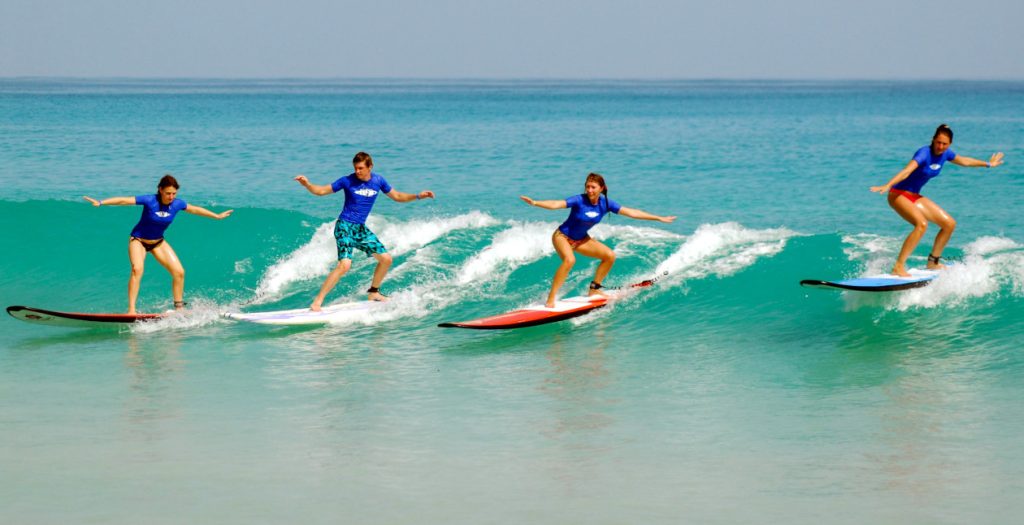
878,283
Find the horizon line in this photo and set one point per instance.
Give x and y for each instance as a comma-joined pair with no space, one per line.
501,79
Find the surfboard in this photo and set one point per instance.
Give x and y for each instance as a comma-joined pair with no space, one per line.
879,283
539,314
76,319
335,313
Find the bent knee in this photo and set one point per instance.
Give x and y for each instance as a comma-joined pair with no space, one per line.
569,261
178,273
384,258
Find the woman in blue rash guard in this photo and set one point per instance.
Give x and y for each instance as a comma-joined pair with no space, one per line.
571,236
158,211
904,191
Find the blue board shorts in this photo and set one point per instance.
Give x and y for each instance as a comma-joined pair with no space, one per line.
350,235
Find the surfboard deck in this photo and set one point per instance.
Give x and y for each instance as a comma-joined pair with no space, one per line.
534,315
335,313
539,314
879,283
76,319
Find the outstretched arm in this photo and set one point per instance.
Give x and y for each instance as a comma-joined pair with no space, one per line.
993,161
903,173
203,212
112,201
401,196
315,189
642,215
547,205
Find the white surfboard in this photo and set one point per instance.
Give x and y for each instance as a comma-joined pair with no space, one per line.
336,313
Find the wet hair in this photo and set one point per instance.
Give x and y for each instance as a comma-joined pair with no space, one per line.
943,129
362,156
596,177
168,180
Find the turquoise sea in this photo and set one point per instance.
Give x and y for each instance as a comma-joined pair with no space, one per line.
726,393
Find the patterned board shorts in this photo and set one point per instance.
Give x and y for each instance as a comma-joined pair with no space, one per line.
349,235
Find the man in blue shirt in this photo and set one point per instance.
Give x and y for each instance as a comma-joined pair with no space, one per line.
350,232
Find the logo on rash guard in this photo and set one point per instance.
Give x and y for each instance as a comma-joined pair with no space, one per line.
591,214
935,166
163,214
365,192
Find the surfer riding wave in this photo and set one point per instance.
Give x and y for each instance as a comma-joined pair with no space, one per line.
904,194
158,211
587,209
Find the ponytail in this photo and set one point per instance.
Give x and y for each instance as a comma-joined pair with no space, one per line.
943,129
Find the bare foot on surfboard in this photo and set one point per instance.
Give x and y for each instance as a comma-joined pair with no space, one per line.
900,270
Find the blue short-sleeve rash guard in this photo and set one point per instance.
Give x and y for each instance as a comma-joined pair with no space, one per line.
156,217
585,215
928,167
359,195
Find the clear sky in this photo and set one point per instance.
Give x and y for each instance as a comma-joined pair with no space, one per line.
574,39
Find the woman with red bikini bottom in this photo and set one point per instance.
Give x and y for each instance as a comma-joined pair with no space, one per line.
904,191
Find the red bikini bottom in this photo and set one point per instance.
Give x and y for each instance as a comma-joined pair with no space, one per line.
911,196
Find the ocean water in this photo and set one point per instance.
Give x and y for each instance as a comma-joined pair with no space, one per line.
726,393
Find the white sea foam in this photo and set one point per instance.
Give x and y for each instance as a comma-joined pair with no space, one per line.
243,266
630,240
403,237
200,312
520,244
991,245
313,259
876,252
722,249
